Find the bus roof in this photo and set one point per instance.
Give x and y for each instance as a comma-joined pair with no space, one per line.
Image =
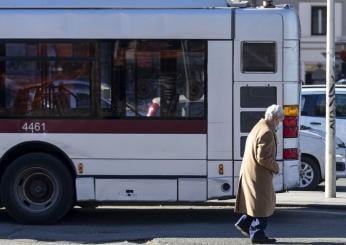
129,4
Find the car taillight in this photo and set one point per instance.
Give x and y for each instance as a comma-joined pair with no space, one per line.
291,154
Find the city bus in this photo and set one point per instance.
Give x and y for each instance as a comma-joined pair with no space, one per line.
147,102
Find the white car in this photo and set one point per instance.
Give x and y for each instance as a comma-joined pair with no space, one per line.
341,81
312,146
313,106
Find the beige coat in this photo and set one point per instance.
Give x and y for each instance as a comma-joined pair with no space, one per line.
256,196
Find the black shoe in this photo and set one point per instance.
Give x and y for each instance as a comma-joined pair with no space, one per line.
265,240
242,230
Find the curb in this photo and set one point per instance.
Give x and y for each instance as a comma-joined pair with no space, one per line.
298,205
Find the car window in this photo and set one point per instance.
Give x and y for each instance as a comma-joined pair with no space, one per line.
306,102
340,100
313,105
303,106
320,107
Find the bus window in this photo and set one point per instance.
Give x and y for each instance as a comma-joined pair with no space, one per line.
258,57
145,71
54,79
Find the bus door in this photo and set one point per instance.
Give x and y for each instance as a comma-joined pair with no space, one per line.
258,78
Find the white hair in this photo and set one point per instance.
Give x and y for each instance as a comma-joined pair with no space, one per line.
274,111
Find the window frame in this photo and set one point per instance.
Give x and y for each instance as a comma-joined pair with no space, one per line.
316,8
316,98
95,111
43,61
137,117
259,72
312,104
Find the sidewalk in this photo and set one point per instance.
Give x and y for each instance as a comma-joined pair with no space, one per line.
314,198
300,199
311,198
296,198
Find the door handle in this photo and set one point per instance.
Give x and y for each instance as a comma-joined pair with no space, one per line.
315,123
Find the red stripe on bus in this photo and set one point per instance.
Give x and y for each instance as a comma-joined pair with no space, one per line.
104,126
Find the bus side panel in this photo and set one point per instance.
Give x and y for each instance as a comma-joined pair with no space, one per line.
118,146
291,62
220,99
256,87
220,120
291,96
140,167
116,23
291,168
189,189
85,189
192,189
136,190
257,27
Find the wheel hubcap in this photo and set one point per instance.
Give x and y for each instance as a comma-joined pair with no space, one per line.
306,174
36,189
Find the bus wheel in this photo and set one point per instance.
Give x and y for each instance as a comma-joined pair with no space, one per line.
37,189
309,174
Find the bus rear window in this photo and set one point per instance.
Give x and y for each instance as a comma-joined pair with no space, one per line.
258,57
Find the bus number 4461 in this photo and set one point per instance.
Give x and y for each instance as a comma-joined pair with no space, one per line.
34,127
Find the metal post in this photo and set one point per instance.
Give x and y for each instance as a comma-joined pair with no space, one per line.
330,181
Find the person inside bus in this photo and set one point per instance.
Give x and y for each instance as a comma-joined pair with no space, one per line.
256,197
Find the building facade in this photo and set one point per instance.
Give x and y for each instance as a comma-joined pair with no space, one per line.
313,15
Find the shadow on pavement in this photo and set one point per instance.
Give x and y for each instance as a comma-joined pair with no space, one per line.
340,186
312,243
141,225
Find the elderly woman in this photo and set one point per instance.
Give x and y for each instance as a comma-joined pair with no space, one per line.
256,196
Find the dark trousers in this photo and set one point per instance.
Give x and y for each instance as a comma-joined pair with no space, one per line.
255,226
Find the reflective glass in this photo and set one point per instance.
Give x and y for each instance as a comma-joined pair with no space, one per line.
160,77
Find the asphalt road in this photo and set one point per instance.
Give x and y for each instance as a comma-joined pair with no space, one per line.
178,225
175,225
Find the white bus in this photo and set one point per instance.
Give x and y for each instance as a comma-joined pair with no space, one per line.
139,101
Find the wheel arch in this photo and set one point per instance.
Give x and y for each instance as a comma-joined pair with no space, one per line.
316,161
35,146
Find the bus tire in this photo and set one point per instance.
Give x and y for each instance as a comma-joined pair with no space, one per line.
37,188
309,174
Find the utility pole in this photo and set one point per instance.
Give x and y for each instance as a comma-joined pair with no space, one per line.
330,181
